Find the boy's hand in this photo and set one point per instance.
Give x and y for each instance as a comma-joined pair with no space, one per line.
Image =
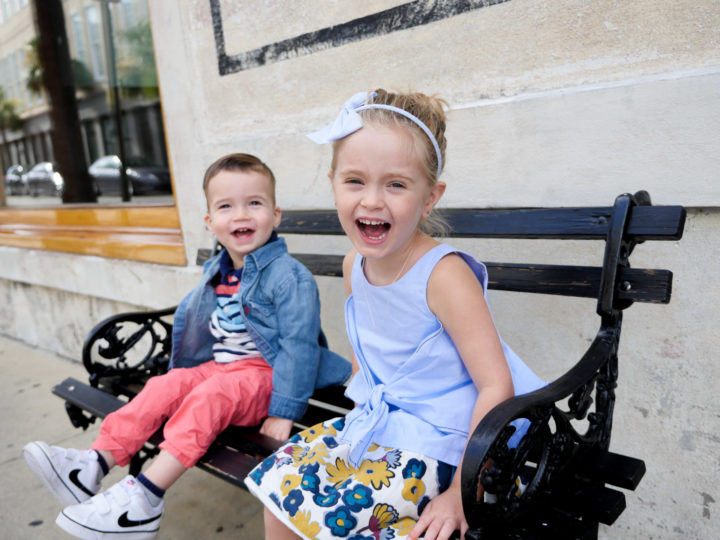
441,517
277,428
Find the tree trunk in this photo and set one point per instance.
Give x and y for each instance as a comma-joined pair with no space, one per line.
54,55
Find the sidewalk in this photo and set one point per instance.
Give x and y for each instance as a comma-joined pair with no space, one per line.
199,505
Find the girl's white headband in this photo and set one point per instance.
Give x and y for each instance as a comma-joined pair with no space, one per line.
349,121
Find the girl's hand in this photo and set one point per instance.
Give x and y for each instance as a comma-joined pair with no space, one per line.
277,428
441,517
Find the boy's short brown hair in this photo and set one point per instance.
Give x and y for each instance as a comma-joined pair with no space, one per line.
239,162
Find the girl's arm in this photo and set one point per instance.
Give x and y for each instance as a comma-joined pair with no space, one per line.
456,297
348,262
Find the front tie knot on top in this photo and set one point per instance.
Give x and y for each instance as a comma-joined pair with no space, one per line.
374,417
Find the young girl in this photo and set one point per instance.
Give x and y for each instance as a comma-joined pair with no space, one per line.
428,361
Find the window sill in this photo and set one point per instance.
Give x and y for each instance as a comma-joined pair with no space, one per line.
140,233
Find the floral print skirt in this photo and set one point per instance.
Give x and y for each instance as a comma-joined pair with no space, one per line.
311,487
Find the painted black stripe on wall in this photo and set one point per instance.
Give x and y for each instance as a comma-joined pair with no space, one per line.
400,17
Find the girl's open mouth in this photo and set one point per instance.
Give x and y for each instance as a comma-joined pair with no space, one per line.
373,229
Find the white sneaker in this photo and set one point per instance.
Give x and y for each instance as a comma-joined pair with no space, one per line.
123,511
73,476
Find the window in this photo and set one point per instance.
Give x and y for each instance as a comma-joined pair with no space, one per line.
92,18
78,37
147,226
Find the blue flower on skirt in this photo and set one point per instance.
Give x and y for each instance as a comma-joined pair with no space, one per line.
294,439
358,498
423,503
445,474
293,501
274,498
340,522
310,482
330,498
259,471
309,468
361,537
414,469
339,424
330,441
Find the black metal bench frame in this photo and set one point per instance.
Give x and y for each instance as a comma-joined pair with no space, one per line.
571,475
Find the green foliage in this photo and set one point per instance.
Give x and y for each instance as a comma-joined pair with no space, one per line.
82,77
137,76
9,119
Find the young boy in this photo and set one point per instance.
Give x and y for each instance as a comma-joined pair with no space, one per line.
245,348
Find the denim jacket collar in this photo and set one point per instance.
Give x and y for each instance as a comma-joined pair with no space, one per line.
259,258
264,255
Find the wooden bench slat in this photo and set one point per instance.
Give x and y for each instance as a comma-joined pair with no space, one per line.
594,503
585,223
611,468
644,285
228,464
93,400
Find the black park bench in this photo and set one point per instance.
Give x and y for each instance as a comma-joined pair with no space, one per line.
574,482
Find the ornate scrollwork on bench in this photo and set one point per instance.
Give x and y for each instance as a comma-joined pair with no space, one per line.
128,348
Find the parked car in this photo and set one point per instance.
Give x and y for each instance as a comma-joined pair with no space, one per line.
144,175
44,178
16,180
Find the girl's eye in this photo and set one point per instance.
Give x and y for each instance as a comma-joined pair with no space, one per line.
255,203
223,206
353,181
397,185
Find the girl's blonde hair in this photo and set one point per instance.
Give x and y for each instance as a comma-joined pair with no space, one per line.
430,110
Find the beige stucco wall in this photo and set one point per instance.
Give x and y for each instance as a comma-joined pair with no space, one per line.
560,103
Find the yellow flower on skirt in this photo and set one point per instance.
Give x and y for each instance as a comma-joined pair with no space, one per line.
312,433
302,521
290,482
404,526
375,473
316,454
413,489
385,514
340,472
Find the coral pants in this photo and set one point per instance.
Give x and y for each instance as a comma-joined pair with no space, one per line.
198,402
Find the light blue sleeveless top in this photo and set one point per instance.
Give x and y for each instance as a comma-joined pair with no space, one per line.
412,388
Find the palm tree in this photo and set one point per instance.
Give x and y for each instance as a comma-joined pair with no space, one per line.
81,74
9,120
57,78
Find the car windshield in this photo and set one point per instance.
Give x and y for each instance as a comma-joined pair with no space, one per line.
44,166
141,161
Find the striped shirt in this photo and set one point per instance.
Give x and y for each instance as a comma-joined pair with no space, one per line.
226,323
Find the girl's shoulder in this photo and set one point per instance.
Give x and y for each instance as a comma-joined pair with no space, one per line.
349,260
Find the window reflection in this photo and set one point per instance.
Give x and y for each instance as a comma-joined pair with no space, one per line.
26,150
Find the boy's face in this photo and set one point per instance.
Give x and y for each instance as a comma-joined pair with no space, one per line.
241,211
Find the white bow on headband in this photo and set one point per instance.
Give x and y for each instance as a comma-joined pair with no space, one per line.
349,121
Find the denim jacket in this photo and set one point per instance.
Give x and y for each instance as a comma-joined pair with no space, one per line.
282,313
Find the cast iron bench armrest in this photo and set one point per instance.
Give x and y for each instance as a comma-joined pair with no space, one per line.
558,463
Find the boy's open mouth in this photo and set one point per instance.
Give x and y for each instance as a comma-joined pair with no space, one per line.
242,232
372,228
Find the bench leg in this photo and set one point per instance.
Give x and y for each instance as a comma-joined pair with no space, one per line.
138,460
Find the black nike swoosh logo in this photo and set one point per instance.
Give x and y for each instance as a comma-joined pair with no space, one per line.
123,520
74,478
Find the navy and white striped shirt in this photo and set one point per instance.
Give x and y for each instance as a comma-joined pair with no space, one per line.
226,323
